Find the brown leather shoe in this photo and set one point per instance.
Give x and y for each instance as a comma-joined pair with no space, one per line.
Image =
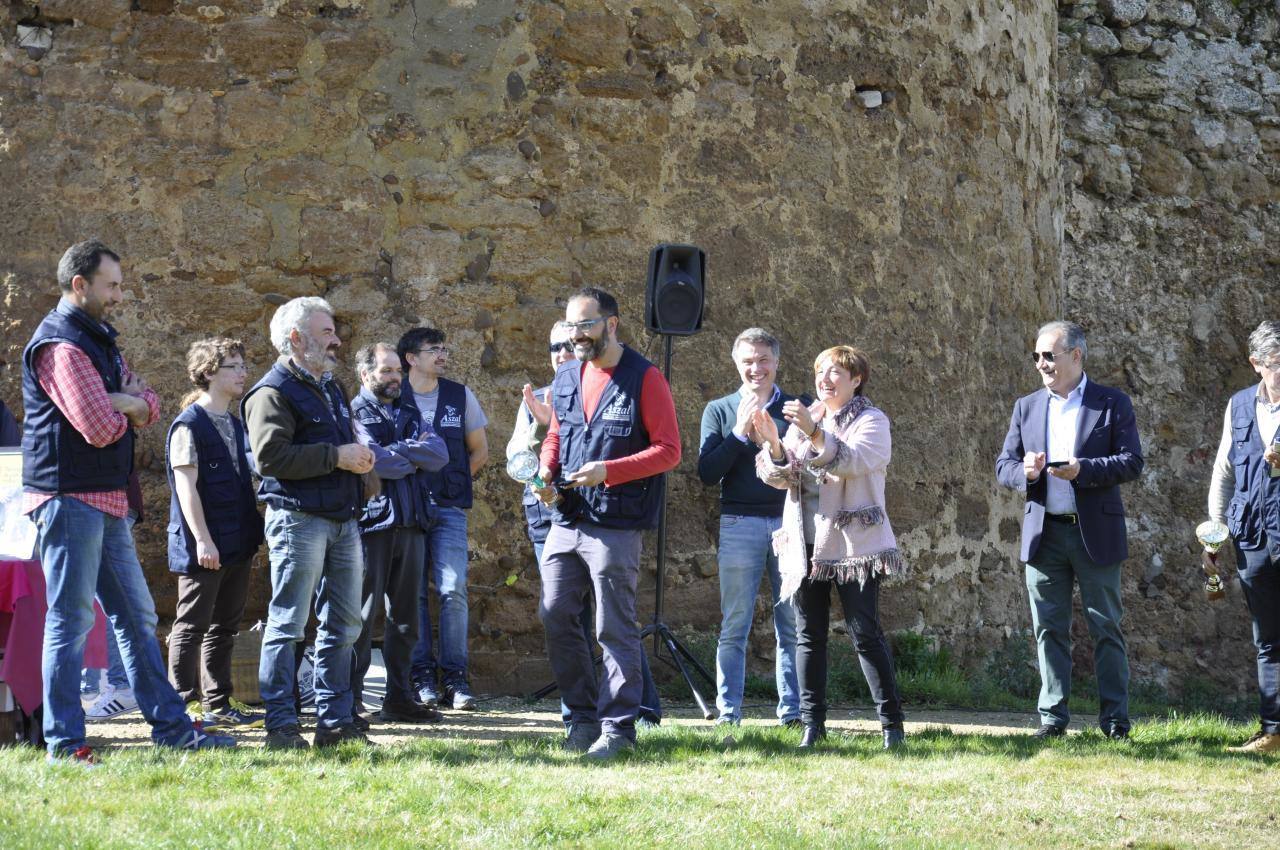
1261,742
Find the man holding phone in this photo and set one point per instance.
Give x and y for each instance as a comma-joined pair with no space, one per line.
1069,448
1245,496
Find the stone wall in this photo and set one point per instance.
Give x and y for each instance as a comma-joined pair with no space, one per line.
1170,133
466,164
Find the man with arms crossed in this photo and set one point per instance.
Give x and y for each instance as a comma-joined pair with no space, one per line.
750,512
613,433
1069,448
304,445
453,412
393,527
82,404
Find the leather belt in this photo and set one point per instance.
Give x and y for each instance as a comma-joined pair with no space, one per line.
1069,519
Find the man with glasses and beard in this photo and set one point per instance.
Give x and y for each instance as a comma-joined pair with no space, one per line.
612,433
452,411
393,527
1069,448
304,445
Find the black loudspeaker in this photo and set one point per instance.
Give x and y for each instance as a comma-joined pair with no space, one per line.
676,290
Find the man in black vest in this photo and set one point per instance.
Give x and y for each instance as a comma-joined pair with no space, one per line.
304,446
393,527
1245,496
82,404
613,433
214,532
452,411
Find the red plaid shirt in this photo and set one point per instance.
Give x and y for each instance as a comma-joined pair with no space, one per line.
67,374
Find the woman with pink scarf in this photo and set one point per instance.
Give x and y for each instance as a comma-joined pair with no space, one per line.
834,532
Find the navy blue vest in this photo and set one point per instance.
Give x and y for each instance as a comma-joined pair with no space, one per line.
451,486
615,430
403,501
537,516
226,495
55,457
337,495
1254,514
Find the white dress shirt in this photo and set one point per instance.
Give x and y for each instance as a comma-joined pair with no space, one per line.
1223,483
1064,417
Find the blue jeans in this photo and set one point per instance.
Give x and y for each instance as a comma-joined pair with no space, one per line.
746,554
445,567
116,676
84,551
311,558
1260,581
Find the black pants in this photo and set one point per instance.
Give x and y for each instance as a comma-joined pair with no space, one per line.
1260,581
861,616
392,566
210,605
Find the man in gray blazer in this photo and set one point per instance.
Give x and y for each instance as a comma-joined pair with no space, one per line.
1069,447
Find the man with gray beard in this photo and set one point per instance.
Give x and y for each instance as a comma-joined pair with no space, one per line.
304,444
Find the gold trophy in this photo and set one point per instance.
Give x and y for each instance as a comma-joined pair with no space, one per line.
1212,535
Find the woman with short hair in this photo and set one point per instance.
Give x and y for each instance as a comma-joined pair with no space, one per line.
835,533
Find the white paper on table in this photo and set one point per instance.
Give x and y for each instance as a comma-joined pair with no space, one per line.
17,532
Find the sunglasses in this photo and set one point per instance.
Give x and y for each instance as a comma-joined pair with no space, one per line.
557,347
1047,356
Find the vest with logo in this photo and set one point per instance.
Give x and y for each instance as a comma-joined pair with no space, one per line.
226,495
403,501
1254,514
56,458
451,486
616,430
337,495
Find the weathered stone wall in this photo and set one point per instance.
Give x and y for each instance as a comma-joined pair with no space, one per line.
1170,133
467,163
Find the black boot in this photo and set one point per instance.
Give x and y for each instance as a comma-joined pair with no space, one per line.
894,736
813,733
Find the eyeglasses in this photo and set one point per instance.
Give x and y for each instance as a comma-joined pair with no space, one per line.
584,325
557,347
435,350
235,367
1047,356
1273,366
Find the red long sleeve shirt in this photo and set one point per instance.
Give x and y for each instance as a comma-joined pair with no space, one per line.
657,412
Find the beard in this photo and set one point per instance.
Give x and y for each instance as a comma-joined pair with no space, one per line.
317,356
593,349
387,390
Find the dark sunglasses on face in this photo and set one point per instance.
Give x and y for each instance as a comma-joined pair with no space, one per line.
1047,356
557,347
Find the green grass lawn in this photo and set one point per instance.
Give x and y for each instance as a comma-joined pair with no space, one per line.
1171,786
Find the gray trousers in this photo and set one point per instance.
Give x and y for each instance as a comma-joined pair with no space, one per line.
1060,560
574,561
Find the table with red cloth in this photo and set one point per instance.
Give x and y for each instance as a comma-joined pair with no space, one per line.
22,612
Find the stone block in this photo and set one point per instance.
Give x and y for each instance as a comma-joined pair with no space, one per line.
1166,171
252,118
102,14
258,46
166,39
427,258
338,241
1178,13
319,182
1107,172
593,39
1139,78
1124,13
1219,17
220,232
1099,41
1230,96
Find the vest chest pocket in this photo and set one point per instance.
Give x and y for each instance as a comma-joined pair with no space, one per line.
568,412
618,430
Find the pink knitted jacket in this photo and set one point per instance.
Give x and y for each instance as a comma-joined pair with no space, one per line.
853,539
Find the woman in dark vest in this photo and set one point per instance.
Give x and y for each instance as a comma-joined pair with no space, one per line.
214,532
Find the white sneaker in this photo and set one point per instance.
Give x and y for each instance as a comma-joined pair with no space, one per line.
112,701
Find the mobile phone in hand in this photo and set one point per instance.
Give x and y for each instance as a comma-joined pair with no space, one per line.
1056,463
